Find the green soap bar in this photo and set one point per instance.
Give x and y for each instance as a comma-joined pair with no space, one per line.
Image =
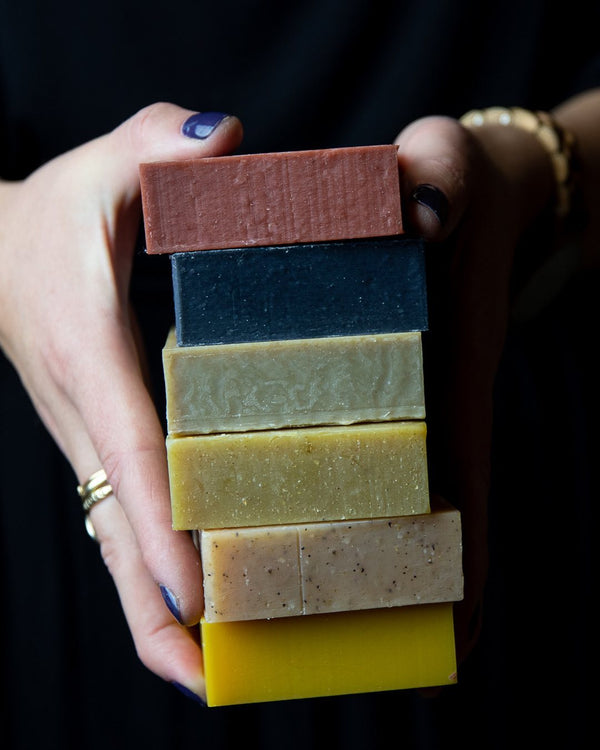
302,382
298,475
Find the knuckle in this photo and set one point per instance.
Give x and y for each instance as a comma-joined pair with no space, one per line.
113,463
142,124
58,358
151,646
135,465
144,651
111,556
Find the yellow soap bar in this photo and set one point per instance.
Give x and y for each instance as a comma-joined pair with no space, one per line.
303,569
293,383
298,475
333,654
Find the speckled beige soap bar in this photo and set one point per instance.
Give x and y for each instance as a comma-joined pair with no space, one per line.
251,573
282,571
293,383
298,475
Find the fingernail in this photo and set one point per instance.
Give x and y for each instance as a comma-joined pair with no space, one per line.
171,602
188,693
202,124
433,199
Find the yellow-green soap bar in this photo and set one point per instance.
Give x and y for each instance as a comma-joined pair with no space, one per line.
325,655
293,383
282,571
298,475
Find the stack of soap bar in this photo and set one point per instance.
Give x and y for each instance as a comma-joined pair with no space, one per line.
296,424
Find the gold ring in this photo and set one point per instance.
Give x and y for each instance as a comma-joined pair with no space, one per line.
96,488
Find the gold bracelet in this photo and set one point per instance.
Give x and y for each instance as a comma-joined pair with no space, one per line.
558,143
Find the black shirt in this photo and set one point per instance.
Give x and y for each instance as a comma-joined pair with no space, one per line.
313,74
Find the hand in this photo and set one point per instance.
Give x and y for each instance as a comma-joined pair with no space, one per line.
474,195
67,235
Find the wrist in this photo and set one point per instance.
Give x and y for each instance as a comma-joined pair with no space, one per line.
580,115
535,157
557,142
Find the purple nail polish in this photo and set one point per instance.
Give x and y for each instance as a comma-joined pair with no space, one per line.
433,199
171,602
202,124
182,689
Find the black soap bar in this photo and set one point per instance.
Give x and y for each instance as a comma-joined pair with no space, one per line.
344,288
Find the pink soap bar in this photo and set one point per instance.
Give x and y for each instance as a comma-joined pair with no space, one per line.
271,199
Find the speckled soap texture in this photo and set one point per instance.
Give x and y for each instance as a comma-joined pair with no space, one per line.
348,288
381,562
251,573
298,475
278,384
283,571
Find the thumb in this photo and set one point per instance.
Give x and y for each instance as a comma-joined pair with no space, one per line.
165,132
433,155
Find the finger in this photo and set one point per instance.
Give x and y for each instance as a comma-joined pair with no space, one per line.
109,166
166,648
124,427
111,397
434,158
87,380
128,441
164,132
